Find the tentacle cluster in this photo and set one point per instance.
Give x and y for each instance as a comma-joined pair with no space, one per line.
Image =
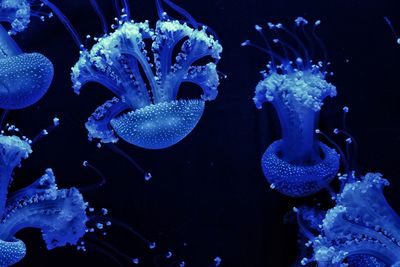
59,213
121,62
361,229
15,12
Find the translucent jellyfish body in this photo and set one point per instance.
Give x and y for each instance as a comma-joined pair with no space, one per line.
361,230
147,111
298,164
24,77
59,213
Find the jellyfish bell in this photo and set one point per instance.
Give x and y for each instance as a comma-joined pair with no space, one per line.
12,251
24,77
160,125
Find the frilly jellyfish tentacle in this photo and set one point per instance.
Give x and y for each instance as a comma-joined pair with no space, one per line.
361,228
12,151
59,213
298,164
98,125
15,12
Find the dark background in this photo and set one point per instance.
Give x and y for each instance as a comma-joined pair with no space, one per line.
208,191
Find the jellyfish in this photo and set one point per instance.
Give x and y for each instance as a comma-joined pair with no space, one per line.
298,164
60,214
360,230
147,110
24,77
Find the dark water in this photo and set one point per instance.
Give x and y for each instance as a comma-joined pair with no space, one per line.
208,191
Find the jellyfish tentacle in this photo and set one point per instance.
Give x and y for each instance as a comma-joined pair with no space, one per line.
100,14
65,21
12,151
59,213
183,12
361,224
98,125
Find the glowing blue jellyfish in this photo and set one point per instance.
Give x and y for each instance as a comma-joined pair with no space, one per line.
59,213
24,77
298,164
361,230
147,110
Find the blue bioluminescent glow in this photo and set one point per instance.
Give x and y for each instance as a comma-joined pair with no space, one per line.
147,111
59,213
362,229
297,165
15,12
25,77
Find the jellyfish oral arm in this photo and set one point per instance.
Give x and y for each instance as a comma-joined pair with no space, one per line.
298,133
5,179
297,97
8,47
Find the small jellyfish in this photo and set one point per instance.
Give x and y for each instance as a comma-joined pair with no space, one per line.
59,213
299,164
361,230
24,77
147,110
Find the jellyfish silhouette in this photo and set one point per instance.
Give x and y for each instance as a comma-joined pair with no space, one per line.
298,164
147,111
59,213
361,230
24,77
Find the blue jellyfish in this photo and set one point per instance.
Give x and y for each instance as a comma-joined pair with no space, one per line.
59,213
299,164
146,110
361,230
24,77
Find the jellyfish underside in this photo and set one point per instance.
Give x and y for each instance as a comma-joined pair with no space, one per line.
299,164
24,77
